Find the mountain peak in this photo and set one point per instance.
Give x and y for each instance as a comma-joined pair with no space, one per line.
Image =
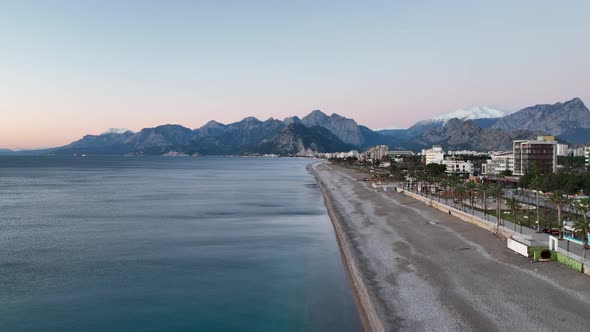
117,131
473,113
212,124
316,114
575,102
337,116
250,119
293,119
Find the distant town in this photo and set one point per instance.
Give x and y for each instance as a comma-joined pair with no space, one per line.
538,190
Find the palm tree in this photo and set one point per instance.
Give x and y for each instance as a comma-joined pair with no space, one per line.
470,187
512,204
483,188
497,193
454,183
560,201
460,190
444,183
583,206
536,184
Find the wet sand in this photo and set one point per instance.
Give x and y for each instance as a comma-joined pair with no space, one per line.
416,268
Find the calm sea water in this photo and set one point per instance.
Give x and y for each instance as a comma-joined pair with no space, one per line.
167,244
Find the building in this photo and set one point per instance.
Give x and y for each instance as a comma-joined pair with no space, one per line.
539,154
458,166
376,152
342,155
562,150
500,162
397,153
465,153
587,157
436,155
577,152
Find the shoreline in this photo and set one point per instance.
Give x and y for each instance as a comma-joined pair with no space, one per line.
365,305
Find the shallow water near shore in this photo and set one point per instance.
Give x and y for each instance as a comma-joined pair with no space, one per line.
155,243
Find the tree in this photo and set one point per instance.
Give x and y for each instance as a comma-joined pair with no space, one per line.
470,187
444,182
460,192
436,170
483,189
506,172
559,201
536,184
497,193
513,205
583,206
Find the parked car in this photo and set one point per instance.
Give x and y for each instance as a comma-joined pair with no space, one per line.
552,231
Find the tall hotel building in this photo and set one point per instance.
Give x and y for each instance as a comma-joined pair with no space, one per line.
542,153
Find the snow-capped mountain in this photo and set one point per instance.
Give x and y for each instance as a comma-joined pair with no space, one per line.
480,112
116,131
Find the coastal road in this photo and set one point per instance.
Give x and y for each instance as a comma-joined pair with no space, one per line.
422,269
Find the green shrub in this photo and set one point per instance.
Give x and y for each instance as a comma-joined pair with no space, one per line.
535,252
564,260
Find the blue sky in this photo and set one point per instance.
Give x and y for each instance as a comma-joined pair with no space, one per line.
74,67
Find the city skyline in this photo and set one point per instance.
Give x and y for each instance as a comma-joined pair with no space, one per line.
70,69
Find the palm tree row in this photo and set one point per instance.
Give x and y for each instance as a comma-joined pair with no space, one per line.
461,190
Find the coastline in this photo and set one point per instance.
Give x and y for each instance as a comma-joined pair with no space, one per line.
413,267
365,305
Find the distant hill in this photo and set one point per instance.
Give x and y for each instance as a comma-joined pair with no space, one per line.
296,138
474,113
467,135
6,151
318,132
569,121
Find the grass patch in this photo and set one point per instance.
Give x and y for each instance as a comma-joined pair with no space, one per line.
535,252
564,260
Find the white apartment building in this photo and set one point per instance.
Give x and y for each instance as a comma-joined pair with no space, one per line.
342,155
562,150
465,153
500,162
587,156
577,152
458,166
436,155
376,152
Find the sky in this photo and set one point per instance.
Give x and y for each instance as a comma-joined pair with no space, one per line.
70,68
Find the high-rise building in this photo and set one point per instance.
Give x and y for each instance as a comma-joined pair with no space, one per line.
376,152
539,155
587,156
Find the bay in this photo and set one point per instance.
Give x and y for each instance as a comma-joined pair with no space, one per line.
168,244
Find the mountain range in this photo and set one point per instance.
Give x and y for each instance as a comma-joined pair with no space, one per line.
480,129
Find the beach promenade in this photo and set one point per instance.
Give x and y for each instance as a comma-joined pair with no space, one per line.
416,268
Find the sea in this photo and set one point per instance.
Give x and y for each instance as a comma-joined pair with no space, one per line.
168,244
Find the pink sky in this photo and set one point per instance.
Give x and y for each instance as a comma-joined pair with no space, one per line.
77,68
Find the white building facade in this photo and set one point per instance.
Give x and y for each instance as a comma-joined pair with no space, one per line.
436,155
500,162
458,166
